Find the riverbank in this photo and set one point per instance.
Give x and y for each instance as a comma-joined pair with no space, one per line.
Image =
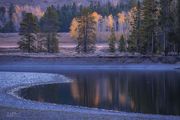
88,58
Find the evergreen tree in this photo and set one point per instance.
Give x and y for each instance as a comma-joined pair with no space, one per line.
178,27
165,22
49,26
112,41
122,44
135,36
10,27
86,32
66,13
148,26
28,33
2,15
11,11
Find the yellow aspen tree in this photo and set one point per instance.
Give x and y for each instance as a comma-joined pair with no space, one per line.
74,28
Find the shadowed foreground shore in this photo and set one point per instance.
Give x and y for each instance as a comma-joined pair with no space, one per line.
20,114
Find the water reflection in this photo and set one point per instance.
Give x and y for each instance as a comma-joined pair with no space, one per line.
146,92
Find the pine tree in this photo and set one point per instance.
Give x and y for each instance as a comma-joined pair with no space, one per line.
10,27
112,41
86,32
66,13
2,15
148,26
28,33
135,36
49,26
165,22
178,27
122,44
11,11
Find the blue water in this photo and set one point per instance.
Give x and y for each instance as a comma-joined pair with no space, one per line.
155,92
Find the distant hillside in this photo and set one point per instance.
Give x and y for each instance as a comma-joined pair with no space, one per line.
45,3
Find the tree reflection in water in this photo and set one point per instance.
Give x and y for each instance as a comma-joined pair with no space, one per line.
134,91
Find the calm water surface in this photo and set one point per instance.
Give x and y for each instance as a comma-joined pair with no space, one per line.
155,92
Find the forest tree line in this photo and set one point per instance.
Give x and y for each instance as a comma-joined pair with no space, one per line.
154,28
9,15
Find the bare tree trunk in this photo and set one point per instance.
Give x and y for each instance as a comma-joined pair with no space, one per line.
29,44
164,37
48,42
85,35
152,42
